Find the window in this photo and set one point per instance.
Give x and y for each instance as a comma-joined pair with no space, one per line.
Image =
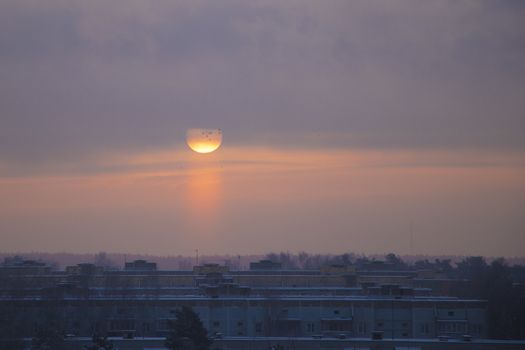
451,313
361,327
336,312
310,327
475,328
119,325
258,327
424,328
452,327
163,325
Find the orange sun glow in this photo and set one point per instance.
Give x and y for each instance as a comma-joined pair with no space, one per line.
204,140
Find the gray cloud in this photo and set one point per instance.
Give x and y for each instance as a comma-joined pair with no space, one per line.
84,77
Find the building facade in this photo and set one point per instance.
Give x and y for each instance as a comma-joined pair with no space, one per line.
140,300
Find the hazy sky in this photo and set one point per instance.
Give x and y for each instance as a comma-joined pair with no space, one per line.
343,122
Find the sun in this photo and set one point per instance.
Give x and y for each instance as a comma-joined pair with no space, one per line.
204,140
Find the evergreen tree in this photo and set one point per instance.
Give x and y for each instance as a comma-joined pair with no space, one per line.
187,332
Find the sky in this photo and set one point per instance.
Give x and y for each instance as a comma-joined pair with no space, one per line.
348,126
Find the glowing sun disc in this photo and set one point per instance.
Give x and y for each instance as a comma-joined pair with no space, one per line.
204,140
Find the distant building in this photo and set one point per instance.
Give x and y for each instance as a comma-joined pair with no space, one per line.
19,266
267,265
84,269
338,269
210,268
140,265
267,302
